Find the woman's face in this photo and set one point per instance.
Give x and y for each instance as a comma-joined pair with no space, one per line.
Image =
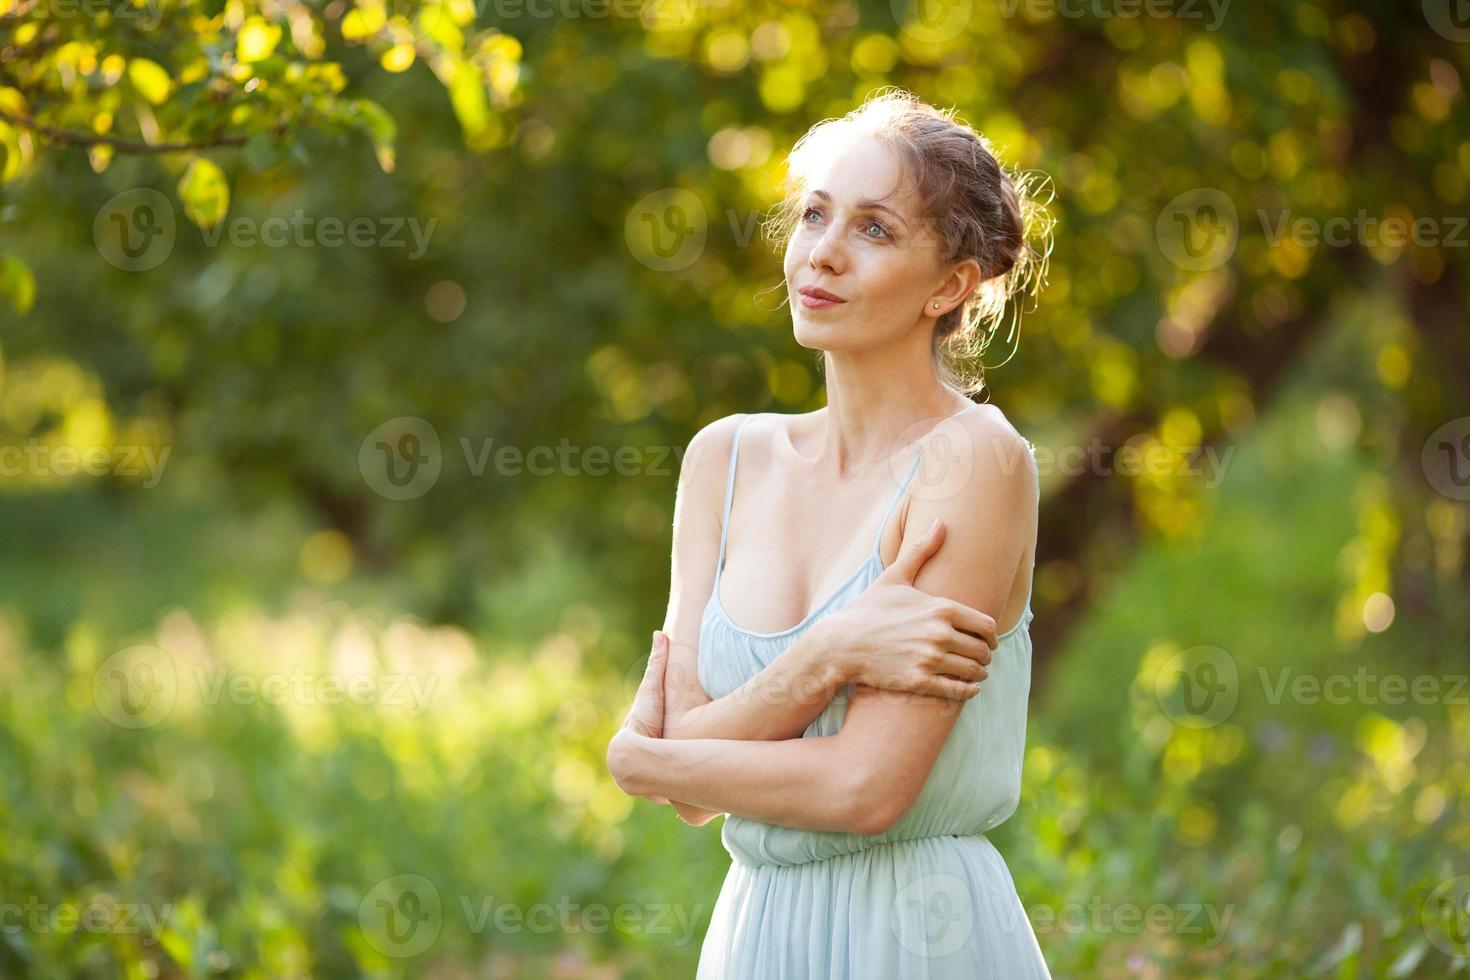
859,237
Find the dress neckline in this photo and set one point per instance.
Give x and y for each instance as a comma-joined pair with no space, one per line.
874,559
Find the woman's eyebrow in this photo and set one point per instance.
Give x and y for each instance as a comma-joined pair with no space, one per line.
864,205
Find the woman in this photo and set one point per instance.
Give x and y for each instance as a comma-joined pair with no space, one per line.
857,766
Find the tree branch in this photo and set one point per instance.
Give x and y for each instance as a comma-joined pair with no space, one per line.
69,137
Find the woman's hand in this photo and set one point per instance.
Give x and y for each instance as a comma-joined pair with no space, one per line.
646,716
899,638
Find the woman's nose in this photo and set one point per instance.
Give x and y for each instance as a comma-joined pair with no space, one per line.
826,253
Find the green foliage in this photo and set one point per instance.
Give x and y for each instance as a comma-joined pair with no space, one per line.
174,298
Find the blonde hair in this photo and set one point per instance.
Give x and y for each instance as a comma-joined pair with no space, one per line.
977,208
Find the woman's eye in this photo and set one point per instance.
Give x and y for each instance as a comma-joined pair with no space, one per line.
882,232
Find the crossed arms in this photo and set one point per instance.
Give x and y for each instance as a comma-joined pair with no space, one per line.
743,753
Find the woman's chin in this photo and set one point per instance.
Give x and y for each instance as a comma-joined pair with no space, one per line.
817,334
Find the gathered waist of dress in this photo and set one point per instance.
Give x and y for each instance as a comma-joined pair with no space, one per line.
759,844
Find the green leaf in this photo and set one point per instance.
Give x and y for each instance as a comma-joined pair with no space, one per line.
205,192
262,152
257,40
150,80
17,284
374,120
467,96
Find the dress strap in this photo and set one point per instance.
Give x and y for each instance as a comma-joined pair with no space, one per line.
730,489
902,487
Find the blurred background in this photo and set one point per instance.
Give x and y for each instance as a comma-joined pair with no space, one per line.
348,351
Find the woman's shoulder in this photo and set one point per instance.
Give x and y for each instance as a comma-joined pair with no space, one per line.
706,459
979,452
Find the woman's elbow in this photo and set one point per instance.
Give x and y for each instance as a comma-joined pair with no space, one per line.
877,804
620,763
694,816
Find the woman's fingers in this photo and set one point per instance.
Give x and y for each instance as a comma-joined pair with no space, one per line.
976,649
949,688
972,620
963,668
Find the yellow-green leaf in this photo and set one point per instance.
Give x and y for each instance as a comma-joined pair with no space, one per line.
150,80
13,102
205,192
17,284
257,40
398,58
15,153
363,21
381,129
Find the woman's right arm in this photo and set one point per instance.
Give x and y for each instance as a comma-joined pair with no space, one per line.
780,701
783,699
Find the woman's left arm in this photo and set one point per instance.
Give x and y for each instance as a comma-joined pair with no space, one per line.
864,778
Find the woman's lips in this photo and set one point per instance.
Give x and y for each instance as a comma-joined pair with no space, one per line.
819,302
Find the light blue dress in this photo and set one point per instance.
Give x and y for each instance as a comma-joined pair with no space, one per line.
932,898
